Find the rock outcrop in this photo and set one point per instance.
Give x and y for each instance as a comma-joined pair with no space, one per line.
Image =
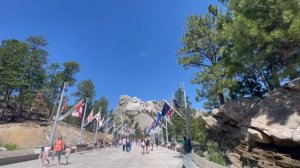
268,128
133,110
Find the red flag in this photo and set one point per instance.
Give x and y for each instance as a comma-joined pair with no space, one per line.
90,117
78,110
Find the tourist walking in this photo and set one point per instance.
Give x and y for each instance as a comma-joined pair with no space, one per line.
67,154
147,144
127,145
45,154
124,143
152,143
143,146
58,148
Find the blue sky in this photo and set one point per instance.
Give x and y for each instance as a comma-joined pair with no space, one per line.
125,46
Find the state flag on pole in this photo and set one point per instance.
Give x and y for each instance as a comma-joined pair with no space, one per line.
158,118
78,109
90,117
166,110
176,104
64,107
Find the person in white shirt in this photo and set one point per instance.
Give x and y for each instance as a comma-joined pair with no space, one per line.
124,143
143,146
67,154
45,154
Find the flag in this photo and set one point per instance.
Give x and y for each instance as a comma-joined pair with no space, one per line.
158,118
64,107
78,109
176,104
98,117
169,113
90,117
109,123
166,109
153,125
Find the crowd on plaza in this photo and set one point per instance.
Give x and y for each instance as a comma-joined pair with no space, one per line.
146,144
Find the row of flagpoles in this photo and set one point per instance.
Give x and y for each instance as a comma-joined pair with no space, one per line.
79,111
166,115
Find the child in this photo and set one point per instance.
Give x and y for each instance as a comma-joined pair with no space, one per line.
67,154
45,154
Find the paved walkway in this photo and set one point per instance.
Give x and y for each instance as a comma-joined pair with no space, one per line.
114,158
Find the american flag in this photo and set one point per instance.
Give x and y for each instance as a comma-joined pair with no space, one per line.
90,117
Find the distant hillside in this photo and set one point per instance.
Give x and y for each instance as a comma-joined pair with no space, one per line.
28,134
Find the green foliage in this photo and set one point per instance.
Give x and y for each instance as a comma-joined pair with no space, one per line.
215,154
102,105
10,147
246,50
85,89
198,130
22,68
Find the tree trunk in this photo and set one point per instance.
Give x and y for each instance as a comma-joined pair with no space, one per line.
221,98
20,104
265,81
7,95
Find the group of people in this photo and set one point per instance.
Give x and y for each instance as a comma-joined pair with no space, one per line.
126,143
145,143
59,149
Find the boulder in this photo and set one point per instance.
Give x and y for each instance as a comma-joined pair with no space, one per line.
216,112
234,158
212,123
278,116
259,136
294,85
240,109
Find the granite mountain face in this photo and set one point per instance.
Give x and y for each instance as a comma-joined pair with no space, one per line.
133,111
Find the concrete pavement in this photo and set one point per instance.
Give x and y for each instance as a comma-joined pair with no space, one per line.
114,158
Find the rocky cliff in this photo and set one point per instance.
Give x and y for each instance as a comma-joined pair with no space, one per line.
132,110
265,131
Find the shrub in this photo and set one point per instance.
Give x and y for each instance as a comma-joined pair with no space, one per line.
11,147
215,154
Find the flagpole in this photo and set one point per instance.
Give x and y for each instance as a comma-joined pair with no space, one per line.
98,122
162,135
186,112
82,122
57,115
167,131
